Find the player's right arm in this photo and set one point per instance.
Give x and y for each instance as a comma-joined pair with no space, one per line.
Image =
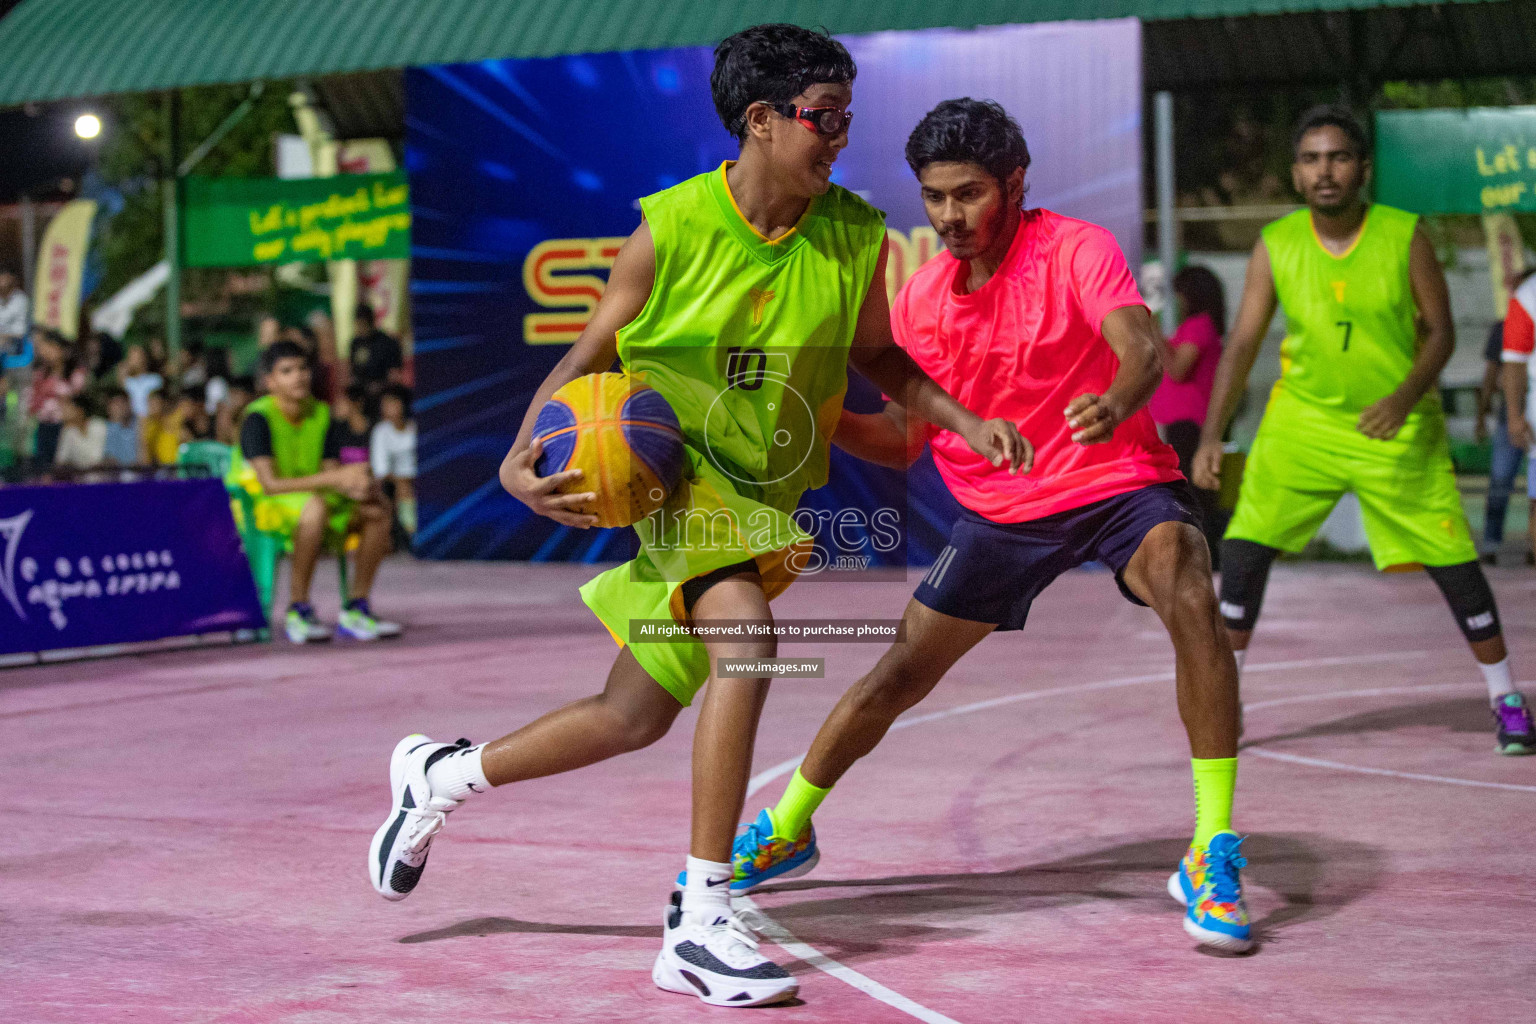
1242,348
629,288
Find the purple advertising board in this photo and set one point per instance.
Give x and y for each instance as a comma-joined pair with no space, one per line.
96,564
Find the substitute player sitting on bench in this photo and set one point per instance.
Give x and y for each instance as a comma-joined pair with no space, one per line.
291,447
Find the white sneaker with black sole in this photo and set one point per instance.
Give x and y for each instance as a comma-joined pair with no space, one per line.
716,959
398,854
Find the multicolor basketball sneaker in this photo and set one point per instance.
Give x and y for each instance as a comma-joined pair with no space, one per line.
1207,883
758,856
1516,733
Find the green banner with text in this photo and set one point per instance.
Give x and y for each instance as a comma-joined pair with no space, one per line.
1480,160
236,222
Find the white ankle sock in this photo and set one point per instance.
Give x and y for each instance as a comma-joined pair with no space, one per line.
1500,680
459,774
1241,656
699,896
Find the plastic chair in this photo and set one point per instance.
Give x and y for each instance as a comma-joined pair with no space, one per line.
263,548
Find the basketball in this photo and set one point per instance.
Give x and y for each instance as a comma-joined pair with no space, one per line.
624,438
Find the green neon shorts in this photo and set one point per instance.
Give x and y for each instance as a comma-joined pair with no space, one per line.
711,521
1305,459
279,513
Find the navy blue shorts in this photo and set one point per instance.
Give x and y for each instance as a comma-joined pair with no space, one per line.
992,572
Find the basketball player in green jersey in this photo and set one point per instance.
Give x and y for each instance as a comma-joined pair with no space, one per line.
742,298
1355,409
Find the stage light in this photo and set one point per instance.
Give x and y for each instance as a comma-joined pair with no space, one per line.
87,126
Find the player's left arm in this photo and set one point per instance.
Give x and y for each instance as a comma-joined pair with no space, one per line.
1384,419
1129,331
887,365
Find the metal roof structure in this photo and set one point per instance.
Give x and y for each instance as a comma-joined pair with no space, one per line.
62,49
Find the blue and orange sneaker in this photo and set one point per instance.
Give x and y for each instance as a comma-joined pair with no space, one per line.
1208,884
759,856
1515,732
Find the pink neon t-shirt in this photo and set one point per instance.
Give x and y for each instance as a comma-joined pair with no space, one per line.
1021,347
1189,398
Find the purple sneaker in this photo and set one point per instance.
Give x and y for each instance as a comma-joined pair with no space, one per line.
1516,732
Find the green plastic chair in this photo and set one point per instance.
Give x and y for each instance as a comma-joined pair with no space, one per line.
263,549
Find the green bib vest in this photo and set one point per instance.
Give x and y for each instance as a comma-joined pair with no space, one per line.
748,339
296,447
1350,338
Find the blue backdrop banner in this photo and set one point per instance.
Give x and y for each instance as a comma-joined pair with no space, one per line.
525,177
93,564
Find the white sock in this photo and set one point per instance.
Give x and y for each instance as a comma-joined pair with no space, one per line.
699,896
1240,656
1501,682
459,774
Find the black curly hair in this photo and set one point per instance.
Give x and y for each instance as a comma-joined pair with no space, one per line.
968,131
773,64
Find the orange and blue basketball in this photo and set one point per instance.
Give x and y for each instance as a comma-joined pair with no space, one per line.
624,438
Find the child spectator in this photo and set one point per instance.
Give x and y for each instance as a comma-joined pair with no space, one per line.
393,448
352,424
217,387
122,441
55,377
83,440
192,420
289,456
136,378
159,432
226,422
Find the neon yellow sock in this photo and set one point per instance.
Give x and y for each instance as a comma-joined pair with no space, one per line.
796,806
1215,779
407,509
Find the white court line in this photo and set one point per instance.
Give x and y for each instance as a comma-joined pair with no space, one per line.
786,940
1381,691
1316,762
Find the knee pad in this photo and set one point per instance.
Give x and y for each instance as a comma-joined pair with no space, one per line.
1244,575
1466,590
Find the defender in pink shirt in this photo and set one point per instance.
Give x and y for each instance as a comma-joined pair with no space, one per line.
1033,317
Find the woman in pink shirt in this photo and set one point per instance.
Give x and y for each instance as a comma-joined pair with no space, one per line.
1189,371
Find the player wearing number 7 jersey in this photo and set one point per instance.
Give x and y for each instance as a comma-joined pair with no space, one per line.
1355,409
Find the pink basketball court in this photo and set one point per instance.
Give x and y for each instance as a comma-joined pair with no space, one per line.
186,832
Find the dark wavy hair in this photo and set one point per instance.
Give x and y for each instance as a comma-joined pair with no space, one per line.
968,131
1342,118
1202,293
773,64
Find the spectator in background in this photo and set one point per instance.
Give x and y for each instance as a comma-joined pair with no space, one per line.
83,441
268,330
1504,463
1189,371
290,456
122,434
15,349
154,348
159,432
55,376
192,420
322,374
352,425
216,387
138,380
376,357
191,368
226,422
100,353
393,450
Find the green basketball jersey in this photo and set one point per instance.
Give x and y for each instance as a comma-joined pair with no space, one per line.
297,448
748,338
1349,320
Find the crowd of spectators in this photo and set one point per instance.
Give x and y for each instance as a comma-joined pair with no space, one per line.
89,410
